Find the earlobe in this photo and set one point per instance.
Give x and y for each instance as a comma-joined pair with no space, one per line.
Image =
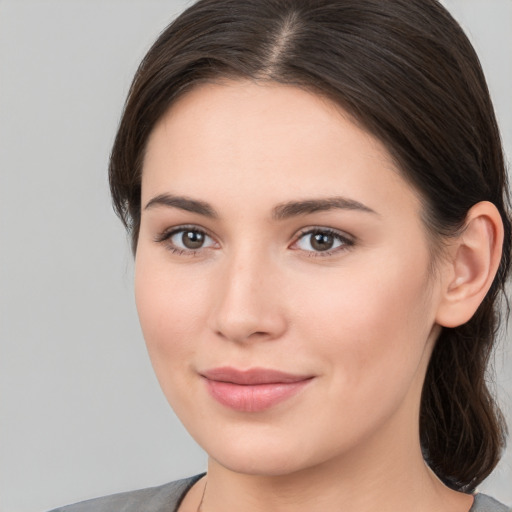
474,261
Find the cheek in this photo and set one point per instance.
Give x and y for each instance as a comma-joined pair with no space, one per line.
370,325
171,307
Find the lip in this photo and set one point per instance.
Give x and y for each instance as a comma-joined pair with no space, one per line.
253,390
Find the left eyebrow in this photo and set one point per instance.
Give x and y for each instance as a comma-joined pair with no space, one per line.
296,208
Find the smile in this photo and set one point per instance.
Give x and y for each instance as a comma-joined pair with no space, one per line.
252,390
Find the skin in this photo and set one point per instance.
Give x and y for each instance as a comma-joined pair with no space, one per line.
361,320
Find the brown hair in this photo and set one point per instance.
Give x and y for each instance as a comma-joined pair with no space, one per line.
406,71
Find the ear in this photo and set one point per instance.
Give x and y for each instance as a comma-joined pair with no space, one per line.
472,263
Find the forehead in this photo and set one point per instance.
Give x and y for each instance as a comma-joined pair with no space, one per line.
249,137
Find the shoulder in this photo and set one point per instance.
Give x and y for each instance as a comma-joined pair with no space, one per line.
163,498
484,503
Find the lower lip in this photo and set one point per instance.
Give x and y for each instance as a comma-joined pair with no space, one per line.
253,398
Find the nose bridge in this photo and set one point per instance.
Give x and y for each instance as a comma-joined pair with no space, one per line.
247,305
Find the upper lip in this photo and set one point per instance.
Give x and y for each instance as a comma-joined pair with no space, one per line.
252,376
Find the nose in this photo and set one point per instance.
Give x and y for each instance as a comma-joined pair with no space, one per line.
248,301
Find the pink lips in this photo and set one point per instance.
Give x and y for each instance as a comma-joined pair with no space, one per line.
252,390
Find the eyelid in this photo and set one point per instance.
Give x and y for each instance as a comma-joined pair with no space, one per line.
168,232
164,237
347,240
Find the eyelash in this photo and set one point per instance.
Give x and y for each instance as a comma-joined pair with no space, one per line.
346,241
165,239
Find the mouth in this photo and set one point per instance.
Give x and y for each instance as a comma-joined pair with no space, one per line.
253,390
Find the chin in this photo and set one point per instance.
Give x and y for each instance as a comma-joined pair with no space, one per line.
262,452
261,463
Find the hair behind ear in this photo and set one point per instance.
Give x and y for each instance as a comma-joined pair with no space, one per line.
462,430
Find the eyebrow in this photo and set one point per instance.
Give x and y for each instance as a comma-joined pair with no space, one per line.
279,212
183,203
296,208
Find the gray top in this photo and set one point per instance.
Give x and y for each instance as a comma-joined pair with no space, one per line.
167,498
164,498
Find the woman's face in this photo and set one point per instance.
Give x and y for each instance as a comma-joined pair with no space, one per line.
282,280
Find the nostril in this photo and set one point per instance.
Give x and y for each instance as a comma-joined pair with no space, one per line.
242,335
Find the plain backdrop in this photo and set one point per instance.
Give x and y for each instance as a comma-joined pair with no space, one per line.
81,413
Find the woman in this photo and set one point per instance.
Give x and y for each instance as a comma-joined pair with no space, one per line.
317,201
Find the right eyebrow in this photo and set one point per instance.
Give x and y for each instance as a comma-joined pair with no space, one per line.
182,203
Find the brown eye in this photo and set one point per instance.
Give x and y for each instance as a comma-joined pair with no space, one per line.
183,240
322,241
192,239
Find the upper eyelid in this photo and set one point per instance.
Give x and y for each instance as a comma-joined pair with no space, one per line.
301,232
319,229
168,232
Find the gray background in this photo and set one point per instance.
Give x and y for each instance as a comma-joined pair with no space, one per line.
81,413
